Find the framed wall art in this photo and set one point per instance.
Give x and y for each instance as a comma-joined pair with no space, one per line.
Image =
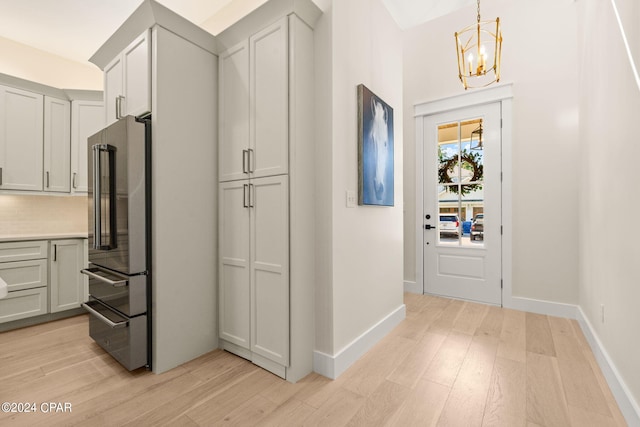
375,149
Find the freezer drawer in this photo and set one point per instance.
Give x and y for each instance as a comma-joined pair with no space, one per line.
126,294
124,338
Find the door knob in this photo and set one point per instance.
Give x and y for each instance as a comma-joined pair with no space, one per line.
428,227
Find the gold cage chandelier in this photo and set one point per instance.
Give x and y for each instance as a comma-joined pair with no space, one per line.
479,47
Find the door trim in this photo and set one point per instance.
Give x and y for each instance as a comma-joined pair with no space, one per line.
504,95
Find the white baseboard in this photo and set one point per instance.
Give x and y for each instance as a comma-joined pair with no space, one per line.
628,406
412,287
548,308
333,366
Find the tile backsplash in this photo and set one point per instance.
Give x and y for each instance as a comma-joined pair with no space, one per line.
38,214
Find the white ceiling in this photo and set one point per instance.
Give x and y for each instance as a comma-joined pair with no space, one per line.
409,13
75,29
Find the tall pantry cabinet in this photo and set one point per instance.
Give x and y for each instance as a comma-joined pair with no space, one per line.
266,173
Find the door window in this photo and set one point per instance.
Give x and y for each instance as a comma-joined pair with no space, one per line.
460,186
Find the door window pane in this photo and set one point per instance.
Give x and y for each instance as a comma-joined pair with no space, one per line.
460,188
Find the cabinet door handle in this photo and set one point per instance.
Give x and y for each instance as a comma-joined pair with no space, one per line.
244,161
244,195
73,180
0,176
55,252
250,151
119,100
47,179
251,194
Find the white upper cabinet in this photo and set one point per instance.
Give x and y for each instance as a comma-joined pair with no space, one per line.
113,89
127,81
87,118
21,148
57,145
254,106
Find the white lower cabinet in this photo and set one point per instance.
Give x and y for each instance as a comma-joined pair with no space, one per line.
22,304
23,266
254,270
42,277
67,284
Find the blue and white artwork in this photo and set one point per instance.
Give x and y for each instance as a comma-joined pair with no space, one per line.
375,150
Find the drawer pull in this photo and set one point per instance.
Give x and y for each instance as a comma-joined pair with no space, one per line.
112,325
92,272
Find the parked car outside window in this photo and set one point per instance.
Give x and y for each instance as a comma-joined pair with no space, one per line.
449,225
477,228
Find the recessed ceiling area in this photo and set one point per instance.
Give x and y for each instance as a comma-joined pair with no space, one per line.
409,13
75,29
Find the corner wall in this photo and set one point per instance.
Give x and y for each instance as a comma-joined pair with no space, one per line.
609,108
362,291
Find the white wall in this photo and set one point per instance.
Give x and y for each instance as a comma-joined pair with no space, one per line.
609,112
360,249
28,63
539,57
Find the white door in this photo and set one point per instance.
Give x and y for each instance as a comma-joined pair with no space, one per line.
462,204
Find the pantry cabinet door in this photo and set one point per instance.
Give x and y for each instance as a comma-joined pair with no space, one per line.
21,147
269,114
234,113
234,296
269,203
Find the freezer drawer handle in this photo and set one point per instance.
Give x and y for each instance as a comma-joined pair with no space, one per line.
112,325
91,272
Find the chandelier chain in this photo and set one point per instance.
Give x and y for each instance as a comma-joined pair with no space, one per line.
478,11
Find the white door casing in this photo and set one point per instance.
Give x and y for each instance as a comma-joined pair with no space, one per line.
503,94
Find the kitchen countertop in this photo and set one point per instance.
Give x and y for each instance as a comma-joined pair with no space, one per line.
51,236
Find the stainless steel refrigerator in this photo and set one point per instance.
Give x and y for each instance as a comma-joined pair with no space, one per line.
119,241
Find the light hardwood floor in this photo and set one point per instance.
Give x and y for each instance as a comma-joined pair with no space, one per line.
449,363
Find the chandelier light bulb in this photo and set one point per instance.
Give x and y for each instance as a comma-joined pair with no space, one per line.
481,41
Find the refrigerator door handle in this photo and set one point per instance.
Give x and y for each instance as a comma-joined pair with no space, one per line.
97,220
101,197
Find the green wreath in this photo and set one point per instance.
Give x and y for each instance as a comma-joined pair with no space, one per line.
469,161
